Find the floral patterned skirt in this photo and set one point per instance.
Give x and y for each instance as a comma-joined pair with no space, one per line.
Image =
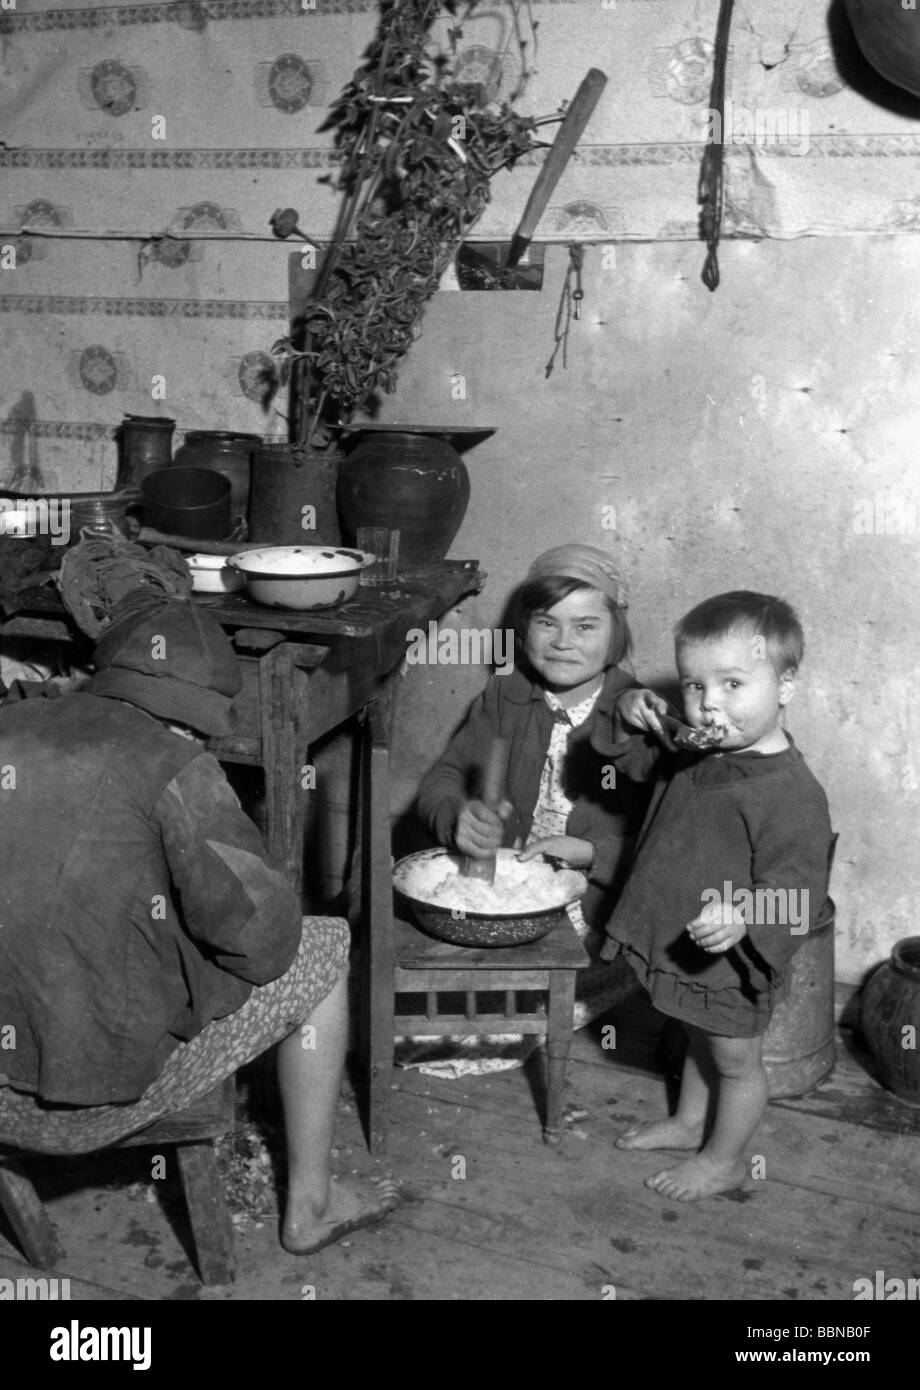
270,1013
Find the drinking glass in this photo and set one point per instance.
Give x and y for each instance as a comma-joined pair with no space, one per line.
383,544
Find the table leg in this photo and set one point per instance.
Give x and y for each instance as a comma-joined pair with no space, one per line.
282,759
558,1042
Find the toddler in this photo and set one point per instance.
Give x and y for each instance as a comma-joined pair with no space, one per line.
730,871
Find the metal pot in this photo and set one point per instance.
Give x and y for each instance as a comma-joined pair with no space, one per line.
189,501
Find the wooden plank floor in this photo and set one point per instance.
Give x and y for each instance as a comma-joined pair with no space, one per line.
840,1200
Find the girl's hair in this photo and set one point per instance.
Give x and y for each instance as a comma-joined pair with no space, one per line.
763,616
539,595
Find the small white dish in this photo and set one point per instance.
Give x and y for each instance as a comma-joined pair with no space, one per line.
212,575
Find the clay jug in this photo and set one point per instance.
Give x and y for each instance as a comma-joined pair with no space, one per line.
223,451
412,482
146,447
890,1016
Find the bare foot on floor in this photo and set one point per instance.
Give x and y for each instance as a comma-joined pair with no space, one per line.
352,1204
662,1134
698,1177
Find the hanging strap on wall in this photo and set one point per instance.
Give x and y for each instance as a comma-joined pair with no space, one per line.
569,304
710,190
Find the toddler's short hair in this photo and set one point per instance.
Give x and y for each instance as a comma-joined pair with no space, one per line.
539,595
761,614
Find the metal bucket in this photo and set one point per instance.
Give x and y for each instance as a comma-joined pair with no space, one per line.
292,496
799,1045
798,1050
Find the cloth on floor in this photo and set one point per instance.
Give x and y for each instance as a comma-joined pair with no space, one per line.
31,667
452,1057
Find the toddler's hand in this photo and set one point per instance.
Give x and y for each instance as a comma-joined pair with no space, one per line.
578,853
640,710
719,927
479,831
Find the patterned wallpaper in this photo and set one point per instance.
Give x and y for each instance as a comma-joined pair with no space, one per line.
200,117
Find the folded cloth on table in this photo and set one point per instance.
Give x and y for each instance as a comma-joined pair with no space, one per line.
104,573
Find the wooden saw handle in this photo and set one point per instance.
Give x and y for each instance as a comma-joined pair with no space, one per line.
577,116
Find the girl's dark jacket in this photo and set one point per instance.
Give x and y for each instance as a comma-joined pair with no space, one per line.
607,811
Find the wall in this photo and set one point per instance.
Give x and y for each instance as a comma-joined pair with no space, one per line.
739,436
733,433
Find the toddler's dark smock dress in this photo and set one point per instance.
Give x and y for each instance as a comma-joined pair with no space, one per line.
720,823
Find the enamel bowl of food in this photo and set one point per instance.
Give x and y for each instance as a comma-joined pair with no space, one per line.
521,905
212,575
300,576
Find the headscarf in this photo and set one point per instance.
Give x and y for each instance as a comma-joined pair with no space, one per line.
585,563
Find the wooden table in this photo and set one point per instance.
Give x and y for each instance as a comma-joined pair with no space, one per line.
304,674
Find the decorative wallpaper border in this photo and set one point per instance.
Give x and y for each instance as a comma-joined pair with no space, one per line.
58,429
119,160
189,14
144,308
638,153
197,14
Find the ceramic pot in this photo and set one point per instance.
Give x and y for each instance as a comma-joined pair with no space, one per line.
225,452
292,495
146,447
890,1016
889,36
414,483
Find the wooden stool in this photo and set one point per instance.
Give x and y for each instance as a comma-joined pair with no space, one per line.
191,1133
398,958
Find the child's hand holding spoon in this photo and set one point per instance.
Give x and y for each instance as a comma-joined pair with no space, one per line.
642,709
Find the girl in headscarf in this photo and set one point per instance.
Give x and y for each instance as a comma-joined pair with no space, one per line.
563,799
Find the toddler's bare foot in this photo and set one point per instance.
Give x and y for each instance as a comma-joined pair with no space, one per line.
671,1133
351,1204
698,1177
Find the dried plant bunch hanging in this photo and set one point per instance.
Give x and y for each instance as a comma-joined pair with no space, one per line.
418,149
